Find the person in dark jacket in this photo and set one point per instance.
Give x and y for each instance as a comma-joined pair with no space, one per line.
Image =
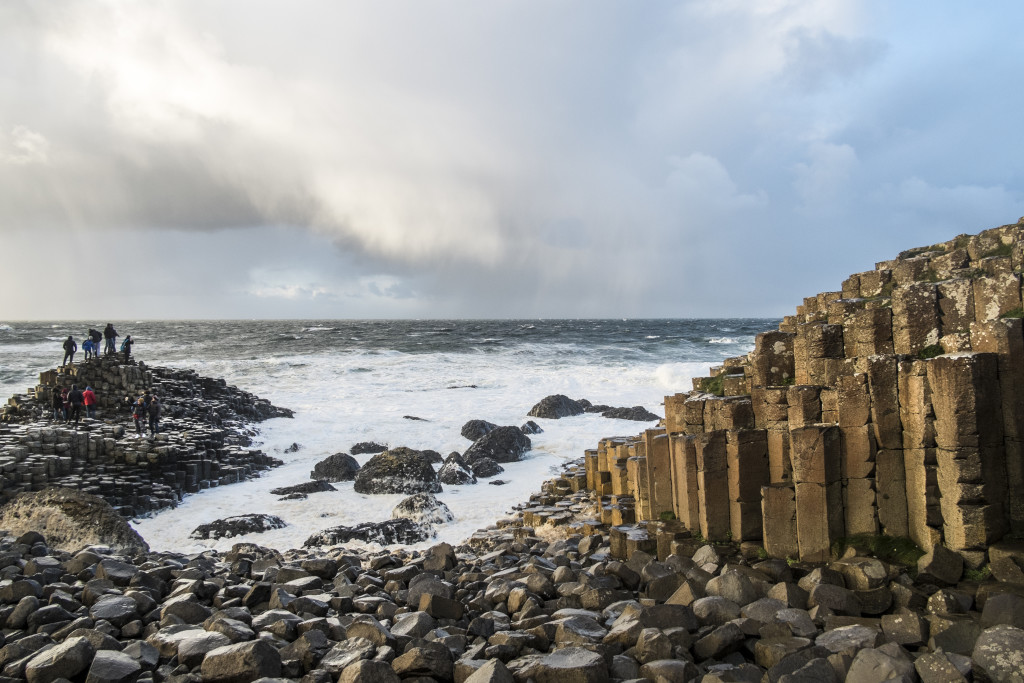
57,403
76,400
139,409
110,334
65,402
154,416
70,346
126,346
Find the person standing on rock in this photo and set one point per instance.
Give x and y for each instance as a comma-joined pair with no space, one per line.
154,416
139,415
126,346
97,341
76,400
65,403
87,347
110,334
57,402
70,346
89,399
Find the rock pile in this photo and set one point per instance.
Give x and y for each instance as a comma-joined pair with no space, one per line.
204,440
550,594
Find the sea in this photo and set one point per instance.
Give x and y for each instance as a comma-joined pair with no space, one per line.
350,381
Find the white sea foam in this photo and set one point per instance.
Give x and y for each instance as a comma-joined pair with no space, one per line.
722,340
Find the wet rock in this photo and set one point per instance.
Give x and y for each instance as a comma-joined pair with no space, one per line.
414,418
501,444
305,488
636,413
423,508
474,429
367,447
70,520
486,467
455,471
497,482
335,468
229,527
391,532
531,427
346,653
294,448
399,470
556,406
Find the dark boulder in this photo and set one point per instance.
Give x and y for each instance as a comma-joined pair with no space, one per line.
423,508
502,444
556,406
415,419
486,467
531,427
455,471
474,429
304,488
403,531
399,470
294,448
367,447
636,413
497,482
337,467
238,526
431,456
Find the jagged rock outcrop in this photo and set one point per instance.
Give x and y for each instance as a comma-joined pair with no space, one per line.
398,470
70,520
402,531
335,468
556,406
240,525
303,489
485,468
636,413
531,427
501,444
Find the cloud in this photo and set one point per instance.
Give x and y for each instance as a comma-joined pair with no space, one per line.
503,158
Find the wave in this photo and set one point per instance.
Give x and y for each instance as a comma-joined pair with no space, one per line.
723,340
319,329
653,336
6,328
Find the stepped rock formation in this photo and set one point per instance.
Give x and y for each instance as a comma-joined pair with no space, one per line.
894,405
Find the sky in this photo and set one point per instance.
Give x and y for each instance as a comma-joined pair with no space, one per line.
499,159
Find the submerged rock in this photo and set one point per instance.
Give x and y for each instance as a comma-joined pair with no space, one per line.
502,444
636,413
294,448
474,429
367,447
556,406
70,520
423,508
531,427
337,467
238,526
399,470
404,531
486,467
304,488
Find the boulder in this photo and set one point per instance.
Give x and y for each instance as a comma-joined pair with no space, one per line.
474,429
241,662
70,520
337,467
304,488
636,413
110,666
531,427
486,467
229,527
399,470
999,654
66,660
455,471
423,508
367,447
402,531
556,406
502,444
940,565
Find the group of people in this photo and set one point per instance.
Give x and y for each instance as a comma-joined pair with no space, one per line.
147,407
69,401
94,339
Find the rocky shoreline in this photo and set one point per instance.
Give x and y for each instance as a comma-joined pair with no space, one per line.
545,595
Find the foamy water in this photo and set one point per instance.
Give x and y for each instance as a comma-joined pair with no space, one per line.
344,392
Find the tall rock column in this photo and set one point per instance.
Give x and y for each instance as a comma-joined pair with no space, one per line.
816,455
